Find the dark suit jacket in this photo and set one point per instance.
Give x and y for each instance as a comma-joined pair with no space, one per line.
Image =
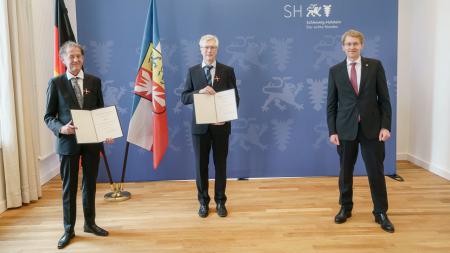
61,99
196,80
372,104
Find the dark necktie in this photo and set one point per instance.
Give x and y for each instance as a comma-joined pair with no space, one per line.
353,77
77,90
208,74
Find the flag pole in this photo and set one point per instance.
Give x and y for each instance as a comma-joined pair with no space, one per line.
108,171
105,160
118,193
124,166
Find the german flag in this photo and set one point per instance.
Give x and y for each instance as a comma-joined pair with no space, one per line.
63,33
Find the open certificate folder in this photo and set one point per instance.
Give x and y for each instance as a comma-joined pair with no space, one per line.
216,108
96,125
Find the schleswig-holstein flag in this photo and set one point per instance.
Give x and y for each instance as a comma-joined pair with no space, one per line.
148,124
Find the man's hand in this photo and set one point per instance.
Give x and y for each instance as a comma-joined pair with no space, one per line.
68,128
207,90
109,141
384,135
334,139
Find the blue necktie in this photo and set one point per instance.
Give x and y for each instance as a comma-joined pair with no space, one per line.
208,74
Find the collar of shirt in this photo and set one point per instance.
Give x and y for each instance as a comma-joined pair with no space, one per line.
213,70
213,64
358,62
79,76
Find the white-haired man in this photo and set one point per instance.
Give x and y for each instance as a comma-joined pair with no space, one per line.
210,77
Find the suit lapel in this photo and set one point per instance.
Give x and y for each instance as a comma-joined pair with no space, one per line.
217,76
364,71
344,71
202,75
87,89
69,93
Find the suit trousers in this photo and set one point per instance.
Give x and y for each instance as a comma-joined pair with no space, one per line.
373,154
217,139
69,175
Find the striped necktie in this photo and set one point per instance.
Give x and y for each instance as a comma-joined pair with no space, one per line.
208,74
77,90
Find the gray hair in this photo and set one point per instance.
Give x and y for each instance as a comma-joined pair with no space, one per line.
207,37
68,44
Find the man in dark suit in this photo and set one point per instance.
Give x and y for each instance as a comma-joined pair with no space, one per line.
74,90
210,77
359,113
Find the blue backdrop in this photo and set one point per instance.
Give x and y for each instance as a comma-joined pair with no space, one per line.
281,52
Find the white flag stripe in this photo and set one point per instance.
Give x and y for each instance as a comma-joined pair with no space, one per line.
140,131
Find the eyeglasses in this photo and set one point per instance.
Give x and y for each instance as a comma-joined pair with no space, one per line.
349,44
210,48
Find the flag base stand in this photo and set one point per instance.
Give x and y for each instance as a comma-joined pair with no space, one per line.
117,194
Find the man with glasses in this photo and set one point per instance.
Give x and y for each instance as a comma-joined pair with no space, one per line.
359,113
210,77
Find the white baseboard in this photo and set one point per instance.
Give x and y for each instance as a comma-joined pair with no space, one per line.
49,168
49,174
433,168
402,156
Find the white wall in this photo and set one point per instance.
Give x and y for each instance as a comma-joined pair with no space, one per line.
43,33
403,81
424,84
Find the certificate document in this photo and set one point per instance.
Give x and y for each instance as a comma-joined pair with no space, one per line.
96,125
216,108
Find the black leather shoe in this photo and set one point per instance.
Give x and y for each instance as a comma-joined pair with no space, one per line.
203,211
65,239
221,210
385,223
342,216
96,230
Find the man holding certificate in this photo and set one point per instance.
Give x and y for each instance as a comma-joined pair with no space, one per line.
74,90
211,78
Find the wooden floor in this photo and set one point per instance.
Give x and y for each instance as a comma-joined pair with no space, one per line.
265,215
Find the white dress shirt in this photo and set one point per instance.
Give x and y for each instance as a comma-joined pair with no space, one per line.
80,78
213,70
358,70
